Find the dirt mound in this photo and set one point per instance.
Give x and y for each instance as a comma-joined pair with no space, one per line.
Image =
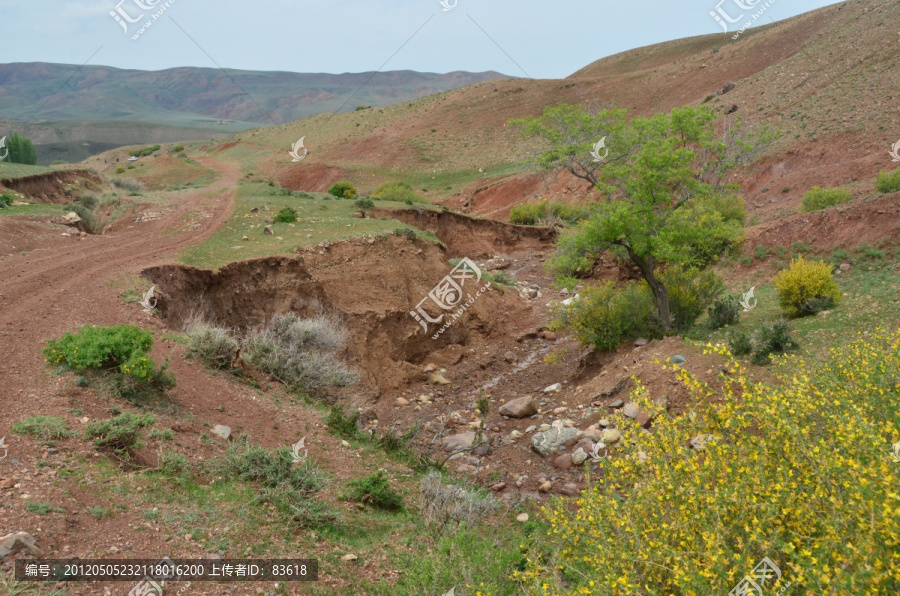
471,237
54,187
313,178
373,286
847,225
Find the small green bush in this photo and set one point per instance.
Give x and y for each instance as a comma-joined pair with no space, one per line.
123,347
400,192
740,343
343,190
724,311
39,508
272,468
146,151
528,214
177,149
122,433
129,185
5,200
343,424
806,287
545,212
364,203
375,490
690,293
120,170
89,201
771,339
604,317
90,221
818,198
172,463
44,428
163,434
888,181
287,215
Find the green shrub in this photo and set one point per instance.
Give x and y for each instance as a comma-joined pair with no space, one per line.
272,468
121,434
761,252
806,287
45,428
177,149
163,434
302,353
400,192
500,278
725,311
771,339
818,198
343,190
124,347
545,212
5,200
740,343
343,424
364,203
90,221
172,463
58,162
213,345
375,490
604,316
287,215
120,170
528,214
146,151
39,508
88,201
888,181
447,506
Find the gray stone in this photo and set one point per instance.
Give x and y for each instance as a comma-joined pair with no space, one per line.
437,379
611,436
515,435
223,432
617,404
519,408
579,457
678,359
17,542
700,441
268,231
569,490
563,462
548,442
631,410
554,388
586,444
640,342
460,441
531,429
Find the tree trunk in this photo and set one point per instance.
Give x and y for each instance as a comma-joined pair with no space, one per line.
660,293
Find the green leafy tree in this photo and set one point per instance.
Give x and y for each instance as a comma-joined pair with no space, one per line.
668,202
21,150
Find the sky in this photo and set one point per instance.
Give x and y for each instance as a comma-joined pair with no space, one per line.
525,38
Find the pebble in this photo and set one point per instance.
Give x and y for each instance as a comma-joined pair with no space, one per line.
523,517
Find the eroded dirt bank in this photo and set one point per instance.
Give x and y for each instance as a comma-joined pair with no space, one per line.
472,237
373,286
53,187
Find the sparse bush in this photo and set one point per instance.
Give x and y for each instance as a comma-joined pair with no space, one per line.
343,190
172,463
725,311
129,185
45,428
528,214
740,343
90,221
545,212
400,192
5,200
287,215
806,287
771,339
145,152
818,198
690,293
272,468
761,252
100,512
39,508
120,170
302,353
888,181
443,505
500,278
408,232
213,345
343,424
177,149
164,434
121,434
375,490
89,201
364,203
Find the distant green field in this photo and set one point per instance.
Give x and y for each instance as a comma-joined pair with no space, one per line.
318,219
16,170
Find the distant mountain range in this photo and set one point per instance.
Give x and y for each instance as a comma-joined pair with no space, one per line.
204,97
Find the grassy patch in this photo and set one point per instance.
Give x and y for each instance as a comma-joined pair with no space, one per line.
45,428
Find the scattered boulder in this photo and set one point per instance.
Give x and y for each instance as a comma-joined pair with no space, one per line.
728,87
430,368
563,462
611,436
579,457
569,490
522,517
482,450
402,402
554,388
519,408
548,335
615,405
500,486
349,558
510,357
732,109
18,542
640,342
437,378
631,410
678,359
548,442
515,435
545,486
586,444
223,432
459,441
845,266
268,231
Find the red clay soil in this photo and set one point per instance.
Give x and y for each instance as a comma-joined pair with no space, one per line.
52,187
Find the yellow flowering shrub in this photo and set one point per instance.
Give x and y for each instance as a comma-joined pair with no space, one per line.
799,471
806,287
